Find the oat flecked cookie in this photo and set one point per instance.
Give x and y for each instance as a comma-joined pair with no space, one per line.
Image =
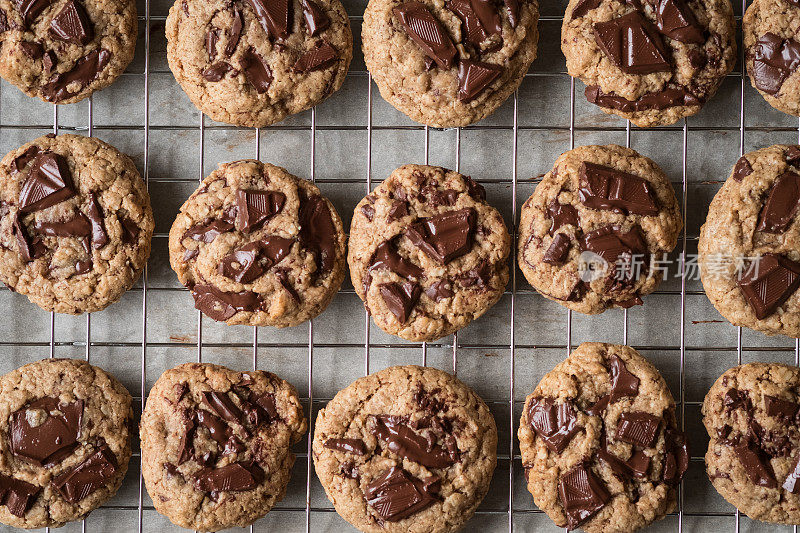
64,50
64,441
652,62
254,62
256,245
751,414
75,223
750,243
772,48
216,444
408,448
592,232
449,63
599,441
427,253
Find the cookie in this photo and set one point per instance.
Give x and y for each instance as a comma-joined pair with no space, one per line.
652,62
451,63
772,46
749,248
64,50
751,416
75,223
216,444
256,245
593,232
599,441
408,448
254,62
427,253
64,441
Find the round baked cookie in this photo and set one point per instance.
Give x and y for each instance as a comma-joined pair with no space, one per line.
75,223
751,416
408,448
427,253
449,63
652,62
64,50
593,231
64,441
256,245
770,32
254,62
749,249
216,444
599,441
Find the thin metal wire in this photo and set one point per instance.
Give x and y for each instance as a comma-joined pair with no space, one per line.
369,190
512,338
310,347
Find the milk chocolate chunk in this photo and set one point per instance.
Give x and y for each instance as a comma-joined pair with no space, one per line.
676,462
99,235
755,466
780,408
768,282
317,232
31,9
257,71
84,72
221,403
562,215
72,24
444,237
663,99
386,257
401,440
781,205
582,495
472,27
396,494
623,382
220,305
632,44
275,16
217,71
423,28
439,291
791,484
774,60
742,169
558,250
207,231
94,472
233,477
321,56
611,189
235,31
316,19
474,77
638,428
555,424
49,182
675,19
354,446
17,495
256,207
400,299
52,439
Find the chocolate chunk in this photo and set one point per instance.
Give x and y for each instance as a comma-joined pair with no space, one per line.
275,16
349,470
562,215
698,58
316,19
22,160
256,70
208,230
757,468
220,305
52,439
423,28
400,299
632,44
368,211
235,31
212,38
189,254
735,399
386,257
233,477
321,56
317,232
793,155
475,189
791,484
439,291
217,71
354,446
474,77
221,403
437,198
17,495
94,472
664,99
599,407
583,7
487,14
49,61
84,72
616,465
72,24
49,182
781,205
248,262
30,9
554,424
82,267
676,462
512,12
780,408
774,60
479,277
611,189
256,207
768,282
186,444
582,495
23,241
742,169
32,50
217,429
639,463
615,247
558,250
675,19
78,226
444,237
398,210
99,235
472,26
401,440
396,494
623,382
4,27
267,402
233,446
638,428
283,279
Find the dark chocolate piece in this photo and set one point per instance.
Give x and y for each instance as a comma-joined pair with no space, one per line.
386,257
354,446
257,71
611,189
242,264
55,437
664,99
638,428
31,9
439,291
256,207
220,305
616,248
676,462
235,31
72,24
283,279
275,16
217,71
756,467
599,407
582,494
316,19
768,282
400,299
623,382
558,250
774,60
735,399
233,477
512,8
321,56
401,440
472,26
94,472
554,424
78,226
444,237
791,484
17,495
99,235
742,169
423,28
632,44
562,215
398,210
675,19
24,243
396,494
22,160
208,230
780,408
84,72
583,7
781,205
31,49
217,429
317,231
49,182
474,77
221,403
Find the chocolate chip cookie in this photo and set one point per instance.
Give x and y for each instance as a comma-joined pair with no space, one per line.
75,223
599,441
216,444
652,62
64,50
751,414
256,245
593,233
64,441
450,63
254,62
750,244
406,449
427,253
